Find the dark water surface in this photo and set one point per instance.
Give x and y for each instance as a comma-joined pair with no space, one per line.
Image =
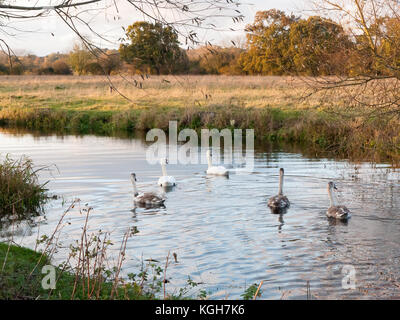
221,229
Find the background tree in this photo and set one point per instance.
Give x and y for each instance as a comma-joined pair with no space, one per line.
374,80
317,47
215,60
79,58
279,44
268,43
153,47
110,61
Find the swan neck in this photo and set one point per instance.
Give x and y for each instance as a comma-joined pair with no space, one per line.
135,192
331,197
209,160
280,192
164,169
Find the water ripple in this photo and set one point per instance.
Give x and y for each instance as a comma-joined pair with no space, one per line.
221,229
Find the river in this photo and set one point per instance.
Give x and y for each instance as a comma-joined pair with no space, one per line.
221,229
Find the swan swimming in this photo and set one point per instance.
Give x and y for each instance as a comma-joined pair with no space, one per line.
279,202
147,198
336,211
215,170
165,180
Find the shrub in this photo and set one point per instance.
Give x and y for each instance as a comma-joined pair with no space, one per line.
45,71
61,67
94,68
20,192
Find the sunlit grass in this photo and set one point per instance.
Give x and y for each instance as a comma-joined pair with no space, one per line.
179,92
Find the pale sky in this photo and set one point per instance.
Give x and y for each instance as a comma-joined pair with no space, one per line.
35,35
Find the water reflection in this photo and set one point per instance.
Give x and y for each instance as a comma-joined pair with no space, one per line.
221,229
281,222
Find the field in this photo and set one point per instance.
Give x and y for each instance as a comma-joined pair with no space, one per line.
273,106
93,93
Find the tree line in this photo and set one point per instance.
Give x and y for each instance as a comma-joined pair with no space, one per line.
276,44
81,61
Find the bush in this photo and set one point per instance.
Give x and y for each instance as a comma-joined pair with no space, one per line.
61,67
17,70
94,68
45,71
4,69
20,192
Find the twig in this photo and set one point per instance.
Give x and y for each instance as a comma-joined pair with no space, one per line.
165,273
258,290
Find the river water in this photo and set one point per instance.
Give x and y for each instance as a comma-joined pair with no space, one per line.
221,229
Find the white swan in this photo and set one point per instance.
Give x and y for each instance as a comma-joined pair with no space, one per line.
147,199
165,180
279,202
214,170
336,211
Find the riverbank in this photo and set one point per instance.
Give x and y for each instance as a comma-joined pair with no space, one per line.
24,273
21,279
269,105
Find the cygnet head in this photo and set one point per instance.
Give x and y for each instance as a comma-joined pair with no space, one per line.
332,186
163,161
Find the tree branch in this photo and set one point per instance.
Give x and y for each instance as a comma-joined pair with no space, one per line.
59,6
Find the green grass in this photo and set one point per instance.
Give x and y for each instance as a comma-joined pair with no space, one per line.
18,263
21,278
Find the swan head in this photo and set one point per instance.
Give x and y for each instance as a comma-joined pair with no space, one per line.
163,161
281,171
209,154
332,186
133,177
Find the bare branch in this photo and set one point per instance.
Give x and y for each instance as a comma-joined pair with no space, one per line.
65,4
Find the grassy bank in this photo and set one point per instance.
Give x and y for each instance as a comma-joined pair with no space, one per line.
270,105
21,278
